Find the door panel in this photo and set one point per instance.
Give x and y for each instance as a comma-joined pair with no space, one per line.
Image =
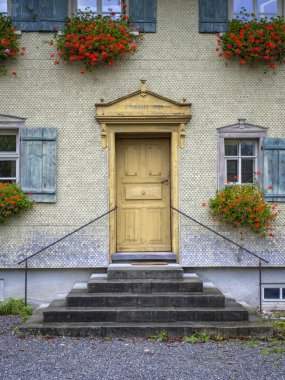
143,195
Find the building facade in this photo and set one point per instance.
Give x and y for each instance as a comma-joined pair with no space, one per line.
107,139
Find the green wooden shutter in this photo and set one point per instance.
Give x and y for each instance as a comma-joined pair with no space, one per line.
52,14
38,163
25,15
274,169
143,14
213,16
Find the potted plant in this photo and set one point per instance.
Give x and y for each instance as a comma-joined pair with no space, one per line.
95,39
250,40
9,44
13,202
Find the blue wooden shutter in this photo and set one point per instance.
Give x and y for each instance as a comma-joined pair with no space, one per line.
25,15
274,169
213,16
38,163
143,14
52,13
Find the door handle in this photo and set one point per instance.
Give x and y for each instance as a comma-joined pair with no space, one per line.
164,180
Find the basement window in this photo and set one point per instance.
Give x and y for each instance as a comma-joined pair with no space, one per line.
273,292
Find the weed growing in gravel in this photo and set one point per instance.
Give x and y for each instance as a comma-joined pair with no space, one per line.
279,330
198,337
252,343
160,336
15,306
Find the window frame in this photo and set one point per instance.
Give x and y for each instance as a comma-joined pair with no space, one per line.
12,125
239,158
72,6
239,131
279,286
280,8
11,156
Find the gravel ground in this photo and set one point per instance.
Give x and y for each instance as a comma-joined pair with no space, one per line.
28,357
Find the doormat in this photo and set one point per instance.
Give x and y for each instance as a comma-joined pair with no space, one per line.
149,263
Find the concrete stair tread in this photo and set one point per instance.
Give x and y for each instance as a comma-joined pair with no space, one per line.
143,281
80,293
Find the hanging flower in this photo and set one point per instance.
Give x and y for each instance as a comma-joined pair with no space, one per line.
9,45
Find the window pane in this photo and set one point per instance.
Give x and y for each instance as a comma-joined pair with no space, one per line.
83,4
247,148
271,293
111,6
7,169
7,143
3,6
283,293
247,4
231,148
267,6
232,170
247,169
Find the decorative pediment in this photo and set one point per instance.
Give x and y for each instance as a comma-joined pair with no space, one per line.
242,127
142,107
7,121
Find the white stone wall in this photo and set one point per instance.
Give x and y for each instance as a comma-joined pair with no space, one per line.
177,62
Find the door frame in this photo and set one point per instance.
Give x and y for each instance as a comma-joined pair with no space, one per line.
149,131
143,112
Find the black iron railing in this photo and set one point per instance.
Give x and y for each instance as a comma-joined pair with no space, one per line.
54,243
259,258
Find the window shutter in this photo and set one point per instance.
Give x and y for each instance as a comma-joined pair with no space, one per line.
213,16
38,163
25,15
274,169
143,14
52,13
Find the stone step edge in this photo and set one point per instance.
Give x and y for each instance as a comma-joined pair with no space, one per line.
173,329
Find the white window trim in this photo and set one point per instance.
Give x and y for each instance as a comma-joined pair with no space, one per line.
12,125
72,7
280,7
239,158
239,131
280,286
11,156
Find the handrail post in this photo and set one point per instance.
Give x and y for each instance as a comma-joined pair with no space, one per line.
260,290
26,281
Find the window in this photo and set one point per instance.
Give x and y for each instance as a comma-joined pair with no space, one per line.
3,6
9,155
103,7
274,292
261,8
240,153
240,160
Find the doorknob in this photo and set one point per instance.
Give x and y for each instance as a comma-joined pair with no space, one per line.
164,180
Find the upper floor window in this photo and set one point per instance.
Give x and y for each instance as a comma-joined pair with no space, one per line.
102,7
9,155
3,7
260,8
240,160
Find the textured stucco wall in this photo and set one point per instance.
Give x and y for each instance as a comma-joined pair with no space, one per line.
177,62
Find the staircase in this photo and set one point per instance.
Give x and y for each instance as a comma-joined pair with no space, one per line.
142,300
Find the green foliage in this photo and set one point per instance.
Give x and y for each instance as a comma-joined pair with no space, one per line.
160,336
15,306
13,202
279,330
9,45
96,39
254,40
198,337
244,205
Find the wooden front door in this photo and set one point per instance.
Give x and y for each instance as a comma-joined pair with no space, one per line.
143,195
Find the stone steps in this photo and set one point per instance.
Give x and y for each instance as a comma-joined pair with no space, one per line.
127,257
132,314
99,283
142,300
83,299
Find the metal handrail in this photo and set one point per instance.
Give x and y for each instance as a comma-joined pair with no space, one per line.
54,243
232,242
